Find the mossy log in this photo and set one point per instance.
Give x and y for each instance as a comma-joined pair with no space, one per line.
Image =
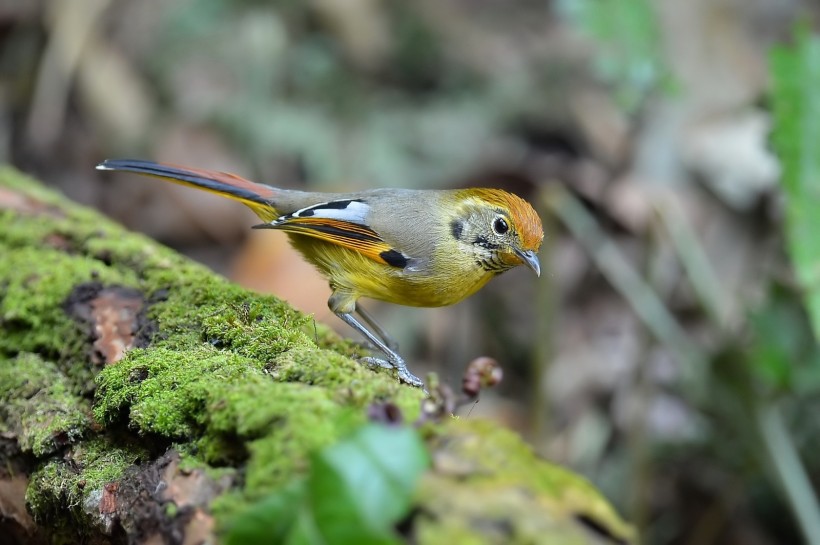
145,399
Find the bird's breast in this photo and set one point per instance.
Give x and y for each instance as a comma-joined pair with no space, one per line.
439,280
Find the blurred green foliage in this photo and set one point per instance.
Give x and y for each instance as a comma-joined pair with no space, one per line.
796,79
787,357
753,390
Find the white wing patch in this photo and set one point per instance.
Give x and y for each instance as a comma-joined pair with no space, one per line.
349,210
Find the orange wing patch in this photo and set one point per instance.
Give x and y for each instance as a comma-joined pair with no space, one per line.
344,233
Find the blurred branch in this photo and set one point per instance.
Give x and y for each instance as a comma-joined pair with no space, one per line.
70,24
641,470
113,93
700,272
796,483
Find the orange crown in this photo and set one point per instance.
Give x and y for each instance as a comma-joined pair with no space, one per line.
521,213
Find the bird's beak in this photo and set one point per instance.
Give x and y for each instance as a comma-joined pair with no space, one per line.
529,259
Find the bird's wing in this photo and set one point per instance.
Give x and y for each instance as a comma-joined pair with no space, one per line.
342,222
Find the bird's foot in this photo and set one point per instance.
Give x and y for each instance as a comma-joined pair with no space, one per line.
404,374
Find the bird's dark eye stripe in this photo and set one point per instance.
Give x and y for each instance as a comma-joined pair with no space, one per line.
500,226
456,228
485,243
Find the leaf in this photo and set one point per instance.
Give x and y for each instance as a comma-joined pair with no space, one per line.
354,494
270,520
374,472
795,81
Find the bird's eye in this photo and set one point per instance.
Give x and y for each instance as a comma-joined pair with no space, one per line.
500,226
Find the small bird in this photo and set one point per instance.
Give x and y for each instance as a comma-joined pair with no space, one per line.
421,248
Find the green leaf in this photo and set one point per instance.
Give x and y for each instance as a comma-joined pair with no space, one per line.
270,520
796,100
354,494
369,477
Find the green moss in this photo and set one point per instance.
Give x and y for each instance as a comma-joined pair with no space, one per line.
487,514
353,384
166,392
49,247
269,404
219,399
299,420
197,305
445,533
37,282
69,481
260,329
44,219
36,405
522,496
190,459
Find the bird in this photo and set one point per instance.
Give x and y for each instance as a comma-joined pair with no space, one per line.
412,247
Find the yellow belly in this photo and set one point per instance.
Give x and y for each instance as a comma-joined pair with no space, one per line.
443,282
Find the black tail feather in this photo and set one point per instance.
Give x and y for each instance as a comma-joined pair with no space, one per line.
218,182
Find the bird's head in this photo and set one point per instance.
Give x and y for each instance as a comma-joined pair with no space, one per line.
500,229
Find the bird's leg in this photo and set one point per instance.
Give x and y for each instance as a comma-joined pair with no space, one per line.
343,304
393,359
377,329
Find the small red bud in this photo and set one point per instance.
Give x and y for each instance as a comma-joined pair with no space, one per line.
482,372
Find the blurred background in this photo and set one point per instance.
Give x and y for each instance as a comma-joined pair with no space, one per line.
666,351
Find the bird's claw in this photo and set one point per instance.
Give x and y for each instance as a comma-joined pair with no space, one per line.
377,362
404,374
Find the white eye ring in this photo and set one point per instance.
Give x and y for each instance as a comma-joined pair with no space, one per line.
500,225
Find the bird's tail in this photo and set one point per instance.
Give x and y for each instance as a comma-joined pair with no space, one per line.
258,197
